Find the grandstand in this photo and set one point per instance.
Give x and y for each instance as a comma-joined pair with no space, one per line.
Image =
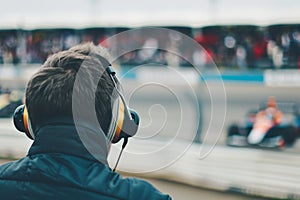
235,34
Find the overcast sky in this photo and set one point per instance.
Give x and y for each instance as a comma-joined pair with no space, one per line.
85,13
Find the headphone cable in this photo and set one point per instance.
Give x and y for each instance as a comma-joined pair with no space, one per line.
123,147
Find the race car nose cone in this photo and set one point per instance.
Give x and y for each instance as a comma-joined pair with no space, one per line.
255,137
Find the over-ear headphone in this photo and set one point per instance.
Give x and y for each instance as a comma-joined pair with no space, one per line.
127,119
22,121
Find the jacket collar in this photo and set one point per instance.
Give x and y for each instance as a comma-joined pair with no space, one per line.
63,137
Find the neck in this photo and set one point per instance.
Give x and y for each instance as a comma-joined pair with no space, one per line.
82,140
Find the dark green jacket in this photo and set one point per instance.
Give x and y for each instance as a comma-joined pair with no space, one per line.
58,166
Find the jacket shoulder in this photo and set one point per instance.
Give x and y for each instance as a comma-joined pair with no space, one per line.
11,168
69,172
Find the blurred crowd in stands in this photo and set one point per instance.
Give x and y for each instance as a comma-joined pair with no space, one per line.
232,47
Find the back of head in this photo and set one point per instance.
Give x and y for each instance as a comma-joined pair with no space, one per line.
50,91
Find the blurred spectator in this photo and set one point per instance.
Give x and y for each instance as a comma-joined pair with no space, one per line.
7,57
241,47
229,51
200,59
275,53
148,51
241,55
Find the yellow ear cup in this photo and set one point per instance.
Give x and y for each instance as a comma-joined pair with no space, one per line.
27,124
119,122
25,120
22,122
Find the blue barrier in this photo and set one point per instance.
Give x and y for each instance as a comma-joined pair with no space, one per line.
127,74
243,77
227,76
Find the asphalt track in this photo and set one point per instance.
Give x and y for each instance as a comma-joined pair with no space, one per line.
183,191
219,105
170,112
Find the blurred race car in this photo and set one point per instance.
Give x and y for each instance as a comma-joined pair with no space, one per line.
262,129
9,101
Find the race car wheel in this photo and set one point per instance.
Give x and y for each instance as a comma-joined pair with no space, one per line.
288,133
233,130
